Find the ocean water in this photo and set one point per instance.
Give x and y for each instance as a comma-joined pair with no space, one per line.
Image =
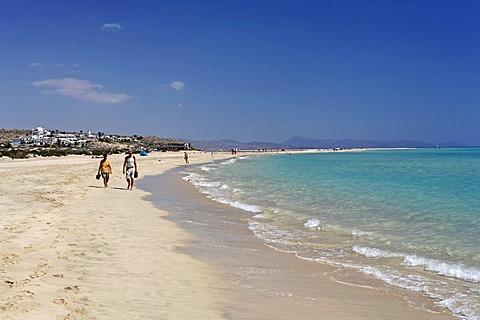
408,219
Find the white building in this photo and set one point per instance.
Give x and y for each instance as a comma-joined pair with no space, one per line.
41,137
40,132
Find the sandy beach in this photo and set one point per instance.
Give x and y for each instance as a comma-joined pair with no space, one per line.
72,249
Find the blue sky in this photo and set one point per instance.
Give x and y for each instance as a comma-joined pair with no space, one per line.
249,70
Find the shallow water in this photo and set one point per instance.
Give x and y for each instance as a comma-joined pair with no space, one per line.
409,218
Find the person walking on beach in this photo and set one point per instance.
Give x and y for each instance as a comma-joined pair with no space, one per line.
185,156
130,169
105,169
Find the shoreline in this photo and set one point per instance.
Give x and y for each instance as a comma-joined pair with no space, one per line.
74,250
264,283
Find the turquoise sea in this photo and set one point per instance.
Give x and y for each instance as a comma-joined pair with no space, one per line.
409,219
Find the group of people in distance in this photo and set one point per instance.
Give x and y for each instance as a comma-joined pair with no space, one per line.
129,169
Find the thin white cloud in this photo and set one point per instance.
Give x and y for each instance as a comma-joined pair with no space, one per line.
114,27
53,64
94,18
80,89
176,105
178,85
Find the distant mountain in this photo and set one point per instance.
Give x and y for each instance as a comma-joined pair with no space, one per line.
227,144
299,142
304,142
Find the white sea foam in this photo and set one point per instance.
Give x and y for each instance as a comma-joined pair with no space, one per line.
459,307
219,192
395,278
237,204
269,233
230,161
193,177
343,230
450,270
459,303
206,184
375,253
313,223
359,233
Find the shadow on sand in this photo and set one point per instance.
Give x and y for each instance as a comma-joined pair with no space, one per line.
100,187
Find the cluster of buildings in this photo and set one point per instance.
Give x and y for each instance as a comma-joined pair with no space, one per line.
41,137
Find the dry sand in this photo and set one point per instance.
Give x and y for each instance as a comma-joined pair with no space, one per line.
71,249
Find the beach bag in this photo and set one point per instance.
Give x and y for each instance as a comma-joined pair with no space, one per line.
98,176
135,174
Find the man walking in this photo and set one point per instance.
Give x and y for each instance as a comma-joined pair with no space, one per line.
130,169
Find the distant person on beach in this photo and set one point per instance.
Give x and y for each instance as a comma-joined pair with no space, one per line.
130,169
105,169
185,156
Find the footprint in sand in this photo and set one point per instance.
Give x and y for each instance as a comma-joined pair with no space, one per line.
71,288
28,293
37,274
60,301
7,306
10,258
10,283
44,265
24,294
28,248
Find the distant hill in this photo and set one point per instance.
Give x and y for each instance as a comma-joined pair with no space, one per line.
299,142
227,144
303,142
7,135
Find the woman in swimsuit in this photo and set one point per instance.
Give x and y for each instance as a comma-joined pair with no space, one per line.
105,169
